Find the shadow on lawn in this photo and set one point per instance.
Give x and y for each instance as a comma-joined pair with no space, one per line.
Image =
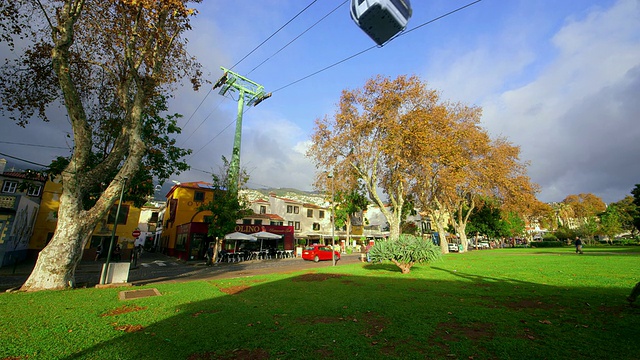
323,315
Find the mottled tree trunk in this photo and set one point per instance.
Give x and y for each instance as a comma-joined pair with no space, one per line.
56,264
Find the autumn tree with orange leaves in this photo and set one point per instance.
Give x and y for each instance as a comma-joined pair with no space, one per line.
457,163
402,138
105,61
369,140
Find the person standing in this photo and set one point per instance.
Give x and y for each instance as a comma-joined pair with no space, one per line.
634,294
117,257
578,244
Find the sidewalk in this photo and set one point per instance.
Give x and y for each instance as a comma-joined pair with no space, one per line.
87,272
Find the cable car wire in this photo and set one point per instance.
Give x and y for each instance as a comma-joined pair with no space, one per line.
272,35
375,46
239,61
35,145
297,37
327,67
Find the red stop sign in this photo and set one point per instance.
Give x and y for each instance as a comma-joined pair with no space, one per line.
135,233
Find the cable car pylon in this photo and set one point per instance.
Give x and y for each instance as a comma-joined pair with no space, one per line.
253,94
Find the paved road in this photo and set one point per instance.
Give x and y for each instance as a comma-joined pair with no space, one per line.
159,268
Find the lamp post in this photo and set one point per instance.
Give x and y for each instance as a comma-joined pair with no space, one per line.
105,269
333,226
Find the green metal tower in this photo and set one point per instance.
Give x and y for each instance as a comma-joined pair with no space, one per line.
253,94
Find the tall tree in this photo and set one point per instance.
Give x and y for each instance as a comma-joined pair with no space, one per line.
629,214
106,62
368,139
348,204
610,223
636,201
585,205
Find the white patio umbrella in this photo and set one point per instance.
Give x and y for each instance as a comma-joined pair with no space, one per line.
265,235
239,236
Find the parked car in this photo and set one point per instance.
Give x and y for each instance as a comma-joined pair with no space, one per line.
453,247
319,252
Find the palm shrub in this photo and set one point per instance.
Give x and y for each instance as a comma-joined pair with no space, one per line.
405,251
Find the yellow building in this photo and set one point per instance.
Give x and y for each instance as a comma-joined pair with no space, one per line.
183,226
47,221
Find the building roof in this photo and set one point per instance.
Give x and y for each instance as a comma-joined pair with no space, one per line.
197,185
24,175
272,217
313,206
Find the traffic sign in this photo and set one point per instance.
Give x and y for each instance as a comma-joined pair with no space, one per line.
135,233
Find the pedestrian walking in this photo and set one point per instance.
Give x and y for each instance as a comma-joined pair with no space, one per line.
98,252
209,254
578,244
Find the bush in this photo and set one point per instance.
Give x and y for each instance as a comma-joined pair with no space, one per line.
549,237
405,251
545,244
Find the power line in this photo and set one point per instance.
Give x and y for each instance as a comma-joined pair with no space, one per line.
375,46
35,145
23,160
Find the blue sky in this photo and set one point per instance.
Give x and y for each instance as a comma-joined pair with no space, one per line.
560,79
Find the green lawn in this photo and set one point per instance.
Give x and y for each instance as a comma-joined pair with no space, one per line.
490,304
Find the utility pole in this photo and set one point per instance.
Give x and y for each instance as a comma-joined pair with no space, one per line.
253,94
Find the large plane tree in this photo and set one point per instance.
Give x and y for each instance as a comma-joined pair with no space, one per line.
107,63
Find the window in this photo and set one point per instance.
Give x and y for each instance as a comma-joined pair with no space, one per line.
198,196
122,218
309,212
34,190
289,223
316,226
293,209
263,209
9,186
321,214
297,225
257,222
246,221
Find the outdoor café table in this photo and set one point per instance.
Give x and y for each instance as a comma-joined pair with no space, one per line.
279,254
288,253
254,255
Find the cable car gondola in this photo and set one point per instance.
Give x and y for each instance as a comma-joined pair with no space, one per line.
381,19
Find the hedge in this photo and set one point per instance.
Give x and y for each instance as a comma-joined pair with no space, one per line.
545,244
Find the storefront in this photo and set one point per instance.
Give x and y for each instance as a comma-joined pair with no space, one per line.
286,242
191,241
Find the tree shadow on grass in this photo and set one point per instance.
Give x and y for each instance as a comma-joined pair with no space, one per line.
434,313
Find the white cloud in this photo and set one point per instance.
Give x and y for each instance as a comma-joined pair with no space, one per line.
576,120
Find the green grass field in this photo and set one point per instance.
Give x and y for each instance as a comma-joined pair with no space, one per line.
491,304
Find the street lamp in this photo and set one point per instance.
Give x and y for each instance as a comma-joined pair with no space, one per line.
333,226
105,269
